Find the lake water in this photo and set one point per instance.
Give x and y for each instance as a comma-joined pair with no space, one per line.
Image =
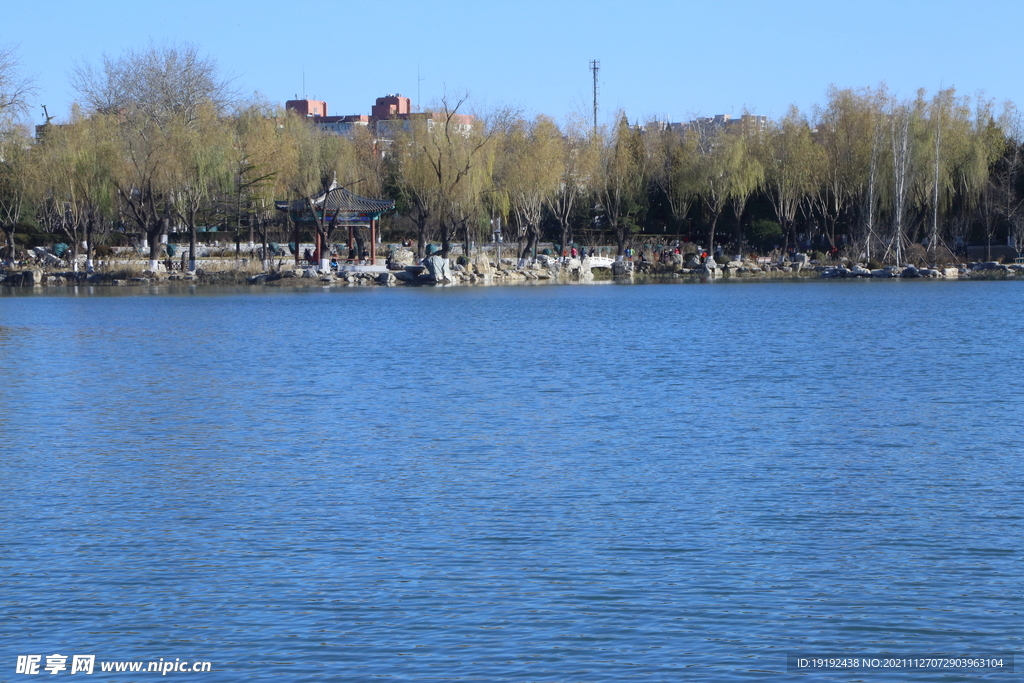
590,483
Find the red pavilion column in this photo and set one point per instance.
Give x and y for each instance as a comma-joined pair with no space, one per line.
373,241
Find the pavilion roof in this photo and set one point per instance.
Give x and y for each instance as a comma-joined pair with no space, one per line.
338,200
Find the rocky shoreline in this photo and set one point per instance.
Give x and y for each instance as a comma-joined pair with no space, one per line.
481,271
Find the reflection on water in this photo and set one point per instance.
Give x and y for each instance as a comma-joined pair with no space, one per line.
548,483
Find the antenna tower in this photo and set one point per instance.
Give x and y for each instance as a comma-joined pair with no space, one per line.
595,66
418,81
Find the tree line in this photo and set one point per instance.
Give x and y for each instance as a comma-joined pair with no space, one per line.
158,143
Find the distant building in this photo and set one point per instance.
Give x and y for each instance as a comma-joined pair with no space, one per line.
391,106
314,108
388,116
749,123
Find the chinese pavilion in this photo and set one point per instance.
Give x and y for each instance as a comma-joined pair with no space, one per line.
340,208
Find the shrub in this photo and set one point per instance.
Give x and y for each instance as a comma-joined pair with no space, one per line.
915,254
764,235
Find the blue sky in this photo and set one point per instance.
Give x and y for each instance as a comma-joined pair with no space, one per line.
660,59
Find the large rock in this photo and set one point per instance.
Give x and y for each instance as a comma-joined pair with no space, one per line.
579,268
439,269
833,272
482,265
990,265
402,257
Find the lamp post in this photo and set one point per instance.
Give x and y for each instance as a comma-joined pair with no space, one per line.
497,237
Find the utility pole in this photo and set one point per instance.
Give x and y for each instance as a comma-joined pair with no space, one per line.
595,66
418,81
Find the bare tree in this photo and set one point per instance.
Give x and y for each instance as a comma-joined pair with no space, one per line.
453,148
158,82
15,87
902,170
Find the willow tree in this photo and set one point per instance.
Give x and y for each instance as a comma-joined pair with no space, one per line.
790,158
578,153
74,172
145,180
15,184
674,169
988,143
468,212
453,146
259,159
412,180
153,93
1006,181
200,168
746,175
876,105
716,155
727,172
973,171
15,166
529,169
318,161
622,190
844,131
